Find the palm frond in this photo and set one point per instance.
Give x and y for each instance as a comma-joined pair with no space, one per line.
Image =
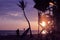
19,5
22,4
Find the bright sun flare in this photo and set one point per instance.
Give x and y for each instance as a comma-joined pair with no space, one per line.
43,24
46,24
44,32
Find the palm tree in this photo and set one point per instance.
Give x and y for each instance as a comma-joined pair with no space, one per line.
22,5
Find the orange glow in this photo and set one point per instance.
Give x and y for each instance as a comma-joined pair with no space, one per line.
44,32
43,24
46,23
52,4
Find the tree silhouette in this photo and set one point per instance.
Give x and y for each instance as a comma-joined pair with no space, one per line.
57,14
22,5
41,4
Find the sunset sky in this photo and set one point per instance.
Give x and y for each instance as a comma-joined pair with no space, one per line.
11,16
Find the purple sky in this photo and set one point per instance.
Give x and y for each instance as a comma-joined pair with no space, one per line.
11,16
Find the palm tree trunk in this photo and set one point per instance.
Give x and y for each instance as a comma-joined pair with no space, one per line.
28,22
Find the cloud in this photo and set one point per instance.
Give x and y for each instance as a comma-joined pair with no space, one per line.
14,14
10,13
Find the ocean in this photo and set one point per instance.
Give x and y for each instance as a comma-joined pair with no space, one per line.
13,32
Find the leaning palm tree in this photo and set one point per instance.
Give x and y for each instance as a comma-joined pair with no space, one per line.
22,5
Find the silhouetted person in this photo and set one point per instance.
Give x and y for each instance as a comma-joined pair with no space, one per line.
17,32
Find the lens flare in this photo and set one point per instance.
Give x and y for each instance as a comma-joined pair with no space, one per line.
46,24
43,24
44,32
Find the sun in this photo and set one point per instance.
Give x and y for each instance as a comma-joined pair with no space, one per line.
43,23
46,24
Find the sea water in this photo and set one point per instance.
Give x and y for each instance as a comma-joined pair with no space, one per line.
13,32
